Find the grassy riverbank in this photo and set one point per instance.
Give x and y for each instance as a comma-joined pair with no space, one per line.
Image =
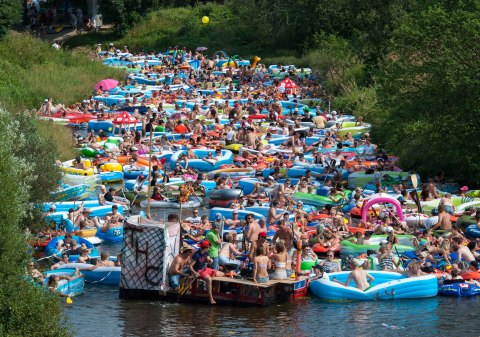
32,70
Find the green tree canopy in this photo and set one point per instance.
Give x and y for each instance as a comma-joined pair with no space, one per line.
10,14
430,87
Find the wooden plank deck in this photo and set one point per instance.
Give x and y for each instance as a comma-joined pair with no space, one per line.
261,285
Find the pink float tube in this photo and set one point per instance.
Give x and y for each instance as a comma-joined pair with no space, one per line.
379,198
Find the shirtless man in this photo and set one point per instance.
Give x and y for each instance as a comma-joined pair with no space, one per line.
284,233
175,271
261,242
444,222
251,138
272,213
85,217
234,221
264,190
358,275
253,228
463,253
104,262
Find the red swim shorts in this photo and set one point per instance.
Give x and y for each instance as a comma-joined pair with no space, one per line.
207,272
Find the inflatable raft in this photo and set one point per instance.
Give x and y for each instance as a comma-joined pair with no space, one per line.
192,203
460,289
386,286
101,275
66,287
405,244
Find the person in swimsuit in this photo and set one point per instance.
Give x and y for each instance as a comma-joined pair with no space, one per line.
359,276
280,256
386,259
261,265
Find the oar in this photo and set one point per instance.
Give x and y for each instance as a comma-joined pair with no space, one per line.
399,257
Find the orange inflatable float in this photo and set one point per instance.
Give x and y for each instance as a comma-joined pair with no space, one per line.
125,159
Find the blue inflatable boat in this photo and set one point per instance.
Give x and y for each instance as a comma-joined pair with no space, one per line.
72,287
386,286
460,289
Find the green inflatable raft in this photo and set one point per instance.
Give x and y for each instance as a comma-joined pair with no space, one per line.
318,200
349,248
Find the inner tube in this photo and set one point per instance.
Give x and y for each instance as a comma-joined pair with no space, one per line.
225,194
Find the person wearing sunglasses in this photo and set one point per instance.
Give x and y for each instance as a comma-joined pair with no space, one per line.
329,265
195,219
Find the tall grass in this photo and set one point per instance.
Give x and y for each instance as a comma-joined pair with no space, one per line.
31,70
60,136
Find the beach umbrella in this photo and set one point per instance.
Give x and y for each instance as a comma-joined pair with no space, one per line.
288,86
178,115
106,84
124,120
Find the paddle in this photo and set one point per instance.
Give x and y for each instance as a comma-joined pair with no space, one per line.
186,286
414,194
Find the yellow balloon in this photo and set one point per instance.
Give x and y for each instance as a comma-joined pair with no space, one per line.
205,19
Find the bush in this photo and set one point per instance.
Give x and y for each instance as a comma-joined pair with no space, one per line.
25,309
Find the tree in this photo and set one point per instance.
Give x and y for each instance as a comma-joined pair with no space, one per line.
125,13
430,88
25,309
10,14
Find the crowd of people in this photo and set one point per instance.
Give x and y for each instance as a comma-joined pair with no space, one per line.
245,105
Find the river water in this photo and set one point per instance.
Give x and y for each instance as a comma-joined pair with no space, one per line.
100,312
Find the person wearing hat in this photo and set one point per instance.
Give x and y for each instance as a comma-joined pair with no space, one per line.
213,237
178,266
463,191
261,242
84,254
359,276
186,190
264,189
199,269
51,209
85,216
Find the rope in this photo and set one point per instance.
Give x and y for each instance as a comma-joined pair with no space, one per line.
47,257
101,280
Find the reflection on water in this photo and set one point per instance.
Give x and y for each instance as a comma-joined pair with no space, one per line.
99,312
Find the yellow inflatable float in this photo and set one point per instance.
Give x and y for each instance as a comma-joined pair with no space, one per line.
68,167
